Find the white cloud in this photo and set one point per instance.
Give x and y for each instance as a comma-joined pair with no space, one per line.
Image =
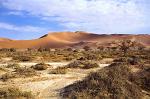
88,15
21,29
15,13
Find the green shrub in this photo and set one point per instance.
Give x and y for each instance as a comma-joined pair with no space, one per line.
82,64
59,70
40,66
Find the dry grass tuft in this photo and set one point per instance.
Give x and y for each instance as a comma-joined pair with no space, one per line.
14,93
82,64
40,66
59,70
19,72
14,66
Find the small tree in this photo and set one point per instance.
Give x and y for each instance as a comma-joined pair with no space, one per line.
125,45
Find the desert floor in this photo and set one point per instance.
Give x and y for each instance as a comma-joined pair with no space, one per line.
45,85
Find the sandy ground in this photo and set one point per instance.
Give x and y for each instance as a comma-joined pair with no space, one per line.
47,86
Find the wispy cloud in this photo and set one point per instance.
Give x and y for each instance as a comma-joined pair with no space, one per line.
21,29
89,15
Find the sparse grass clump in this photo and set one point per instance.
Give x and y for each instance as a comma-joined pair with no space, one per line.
23,58
129,60
7,76
14,66
3,69
14,93
25,72
82,64
93,56
40,66
59,70
18,72
108,83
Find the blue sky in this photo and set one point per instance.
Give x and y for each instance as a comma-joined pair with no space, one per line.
29,19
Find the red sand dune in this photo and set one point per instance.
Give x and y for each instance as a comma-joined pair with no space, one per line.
66,39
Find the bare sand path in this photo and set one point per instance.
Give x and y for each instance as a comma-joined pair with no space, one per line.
52,91
47,86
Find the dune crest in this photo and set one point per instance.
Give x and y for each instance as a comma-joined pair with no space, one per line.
72,39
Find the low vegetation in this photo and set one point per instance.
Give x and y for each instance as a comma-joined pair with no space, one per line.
82,64
14,93
133,60
7,76
13,66
23,58
40,66
58,70
19,72
117,81
108,83
142,78
25,72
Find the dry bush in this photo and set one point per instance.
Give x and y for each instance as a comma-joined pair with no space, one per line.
59,70
25,72
23,58
129,60
19,72
91,56
14,93
7,76
82,64
142,78
40,66
3,69
14,66
108,83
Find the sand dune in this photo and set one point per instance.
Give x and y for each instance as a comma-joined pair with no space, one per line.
65,39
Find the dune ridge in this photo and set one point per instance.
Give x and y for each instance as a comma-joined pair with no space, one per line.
72,39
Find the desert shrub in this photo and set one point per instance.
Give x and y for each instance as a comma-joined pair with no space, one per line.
82,64
40,66
13,93
108,83
23,58
7,76
89,56
135,60
59,70
3,69
19,72
14,66
69,58
129,60
25,72
142,78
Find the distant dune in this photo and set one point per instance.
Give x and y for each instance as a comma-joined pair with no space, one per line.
72,39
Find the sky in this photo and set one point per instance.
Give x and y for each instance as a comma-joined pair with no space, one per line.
29,19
